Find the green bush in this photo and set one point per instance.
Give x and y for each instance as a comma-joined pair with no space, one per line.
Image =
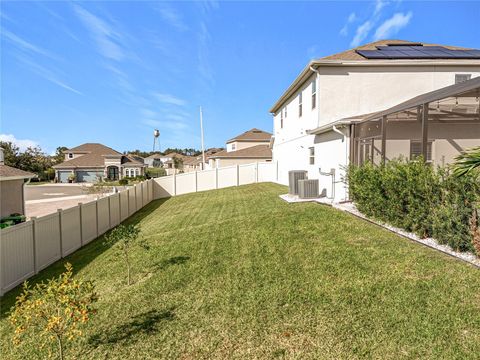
123,182
417,197
155,172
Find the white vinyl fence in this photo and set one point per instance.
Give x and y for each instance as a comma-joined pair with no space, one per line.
235,175
27,248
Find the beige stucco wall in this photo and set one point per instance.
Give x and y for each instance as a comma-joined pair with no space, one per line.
11,195
244,144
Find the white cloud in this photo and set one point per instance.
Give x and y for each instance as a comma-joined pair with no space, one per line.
170,99
47,74
361,33
393,25
105,36
23,144
171,16
351,18
25,45
379,5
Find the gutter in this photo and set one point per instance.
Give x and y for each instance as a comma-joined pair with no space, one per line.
317,87
331,127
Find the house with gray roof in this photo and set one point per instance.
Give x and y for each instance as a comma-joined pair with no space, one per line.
92,162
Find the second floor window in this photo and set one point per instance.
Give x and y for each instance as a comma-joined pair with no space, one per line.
70,156
233,147
300,104
314,94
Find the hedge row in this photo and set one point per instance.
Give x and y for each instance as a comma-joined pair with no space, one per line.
419,198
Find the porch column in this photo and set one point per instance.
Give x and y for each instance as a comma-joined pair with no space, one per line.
384,138
424,130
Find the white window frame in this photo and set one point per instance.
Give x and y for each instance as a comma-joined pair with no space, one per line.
314,94
429,159
311,155
300,103
137,172
234,147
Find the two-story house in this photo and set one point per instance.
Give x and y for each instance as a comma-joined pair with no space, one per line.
251,146
313,119
92,162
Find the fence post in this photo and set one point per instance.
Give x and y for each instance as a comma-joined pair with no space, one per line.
216,178
196,180
60,219
174,183
141,191
256,172
238,175
119,207
109,212
276,176
96,213
80,210
34,237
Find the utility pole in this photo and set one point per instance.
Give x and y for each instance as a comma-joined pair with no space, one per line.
201,130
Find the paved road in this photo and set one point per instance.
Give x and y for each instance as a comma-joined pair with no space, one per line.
38,192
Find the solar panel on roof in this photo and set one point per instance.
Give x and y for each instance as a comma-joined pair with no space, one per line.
409,51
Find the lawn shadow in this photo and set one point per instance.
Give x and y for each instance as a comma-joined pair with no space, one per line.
79,259
163,264
146,323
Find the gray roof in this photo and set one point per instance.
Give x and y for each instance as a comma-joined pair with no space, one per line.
7,172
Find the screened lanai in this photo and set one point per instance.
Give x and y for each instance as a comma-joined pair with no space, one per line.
437,125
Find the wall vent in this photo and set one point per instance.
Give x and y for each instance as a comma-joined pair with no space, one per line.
293,177
308,189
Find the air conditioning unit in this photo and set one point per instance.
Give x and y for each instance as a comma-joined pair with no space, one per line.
293,177
308,189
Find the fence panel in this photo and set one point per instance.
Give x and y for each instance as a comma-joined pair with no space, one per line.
71,230
206,180
132,203
89,222
145,192
227,176
124,205
247,174
163,187
266,172
103,215
114,205
151,185
138,197
186,183
17,261
48,248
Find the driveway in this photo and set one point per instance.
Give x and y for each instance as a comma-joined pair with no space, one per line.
42,200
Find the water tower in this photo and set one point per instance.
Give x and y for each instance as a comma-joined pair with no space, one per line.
156,138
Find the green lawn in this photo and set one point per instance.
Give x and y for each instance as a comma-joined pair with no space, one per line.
238,273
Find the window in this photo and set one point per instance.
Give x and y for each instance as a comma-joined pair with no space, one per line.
70,155
416,149
127,172
314,94
311,155
459,78
281,119
137,172
300,104
233,147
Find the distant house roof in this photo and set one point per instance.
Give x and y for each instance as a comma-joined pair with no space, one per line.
94,157
11,173
351,57
252,135
154,156
254,152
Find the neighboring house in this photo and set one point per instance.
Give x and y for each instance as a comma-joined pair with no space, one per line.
91,162
315,117
251,146
12,182
153,161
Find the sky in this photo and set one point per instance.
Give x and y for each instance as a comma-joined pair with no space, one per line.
113,71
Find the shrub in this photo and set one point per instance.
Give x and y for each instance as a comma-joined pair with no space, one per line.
123,182
418,198
53,310
155,172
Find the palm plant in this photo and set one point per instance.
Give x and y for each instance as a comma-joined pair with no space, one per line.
467,162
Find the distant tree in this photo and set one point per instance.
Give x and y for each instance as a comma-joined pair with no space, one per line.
53,310
11,153
177,162
123,239
59,156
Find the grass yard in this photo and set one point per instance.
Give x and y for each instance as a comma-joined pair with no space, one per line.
238,273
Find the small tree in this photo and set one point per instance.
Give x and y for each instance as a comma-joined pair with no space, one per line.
124,238
468,162
53,310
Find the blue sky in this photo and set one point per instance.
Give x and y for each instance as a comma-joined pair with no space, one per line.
111,72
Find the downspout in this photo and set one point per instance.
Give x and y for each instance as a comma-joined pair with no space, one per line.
335,129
